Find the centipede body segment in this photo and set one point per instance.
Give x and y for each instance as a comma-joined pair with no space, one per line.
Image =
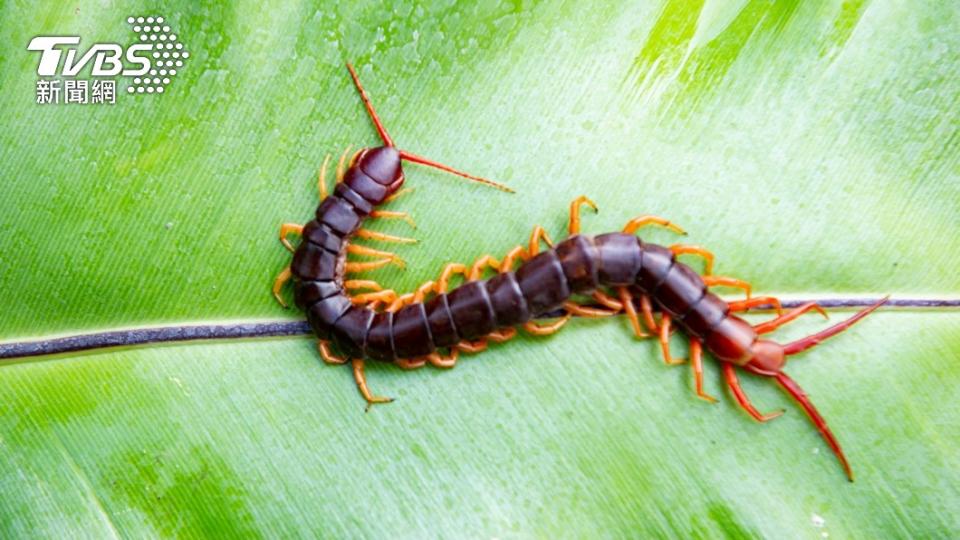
434,324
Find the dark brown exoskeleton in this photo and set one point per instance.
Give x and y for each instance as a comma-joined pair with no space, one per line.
433,324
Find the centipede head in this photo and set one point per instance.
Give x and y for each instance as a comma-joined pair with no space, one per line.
383,163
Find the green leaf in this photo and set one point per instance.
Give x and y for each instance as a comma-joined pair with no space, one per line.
813,147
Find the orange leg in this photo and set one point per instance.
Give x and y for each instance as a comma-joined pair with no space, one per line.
285,230
646,307
388,214
714,281
397,195
278,283
423,290
448,361
322,178
511,257
731,376
411,363
341,163
639,222
574,308
401,301
449,271
745,305
607,301
362,284
502,335
480,265
472,347
770,326
546,329
327,354
354,267
680,249
533,247
357,249
665,342
574,224
539,233
696,361
386,296
361,378
626,300
374,235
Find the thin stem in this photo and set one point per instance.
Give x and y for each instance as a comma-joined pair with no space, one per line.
176,333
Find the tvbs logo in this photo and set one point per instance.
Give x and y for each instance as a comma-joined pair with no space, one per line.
105,56
149,63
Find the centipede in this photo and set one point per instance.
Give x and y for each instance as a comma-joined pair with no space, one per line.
356,320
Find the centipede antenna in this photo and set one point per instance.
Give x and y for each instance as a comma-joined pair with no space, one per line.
413,158
792,388
387,141
803,344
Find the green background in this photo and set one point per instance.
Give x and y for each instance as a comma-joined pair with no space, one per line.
813,146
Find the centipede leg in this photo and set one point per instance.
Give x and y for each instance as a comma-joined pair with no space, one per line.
341,163
386,296
574,308
389,214
472,347
446,362
573,226
357,249
533,247
448,272
607,301
374,235
538,234
665,342
287,229
627,300
502,335
476,270
401,301
757,301
369,284
714,281
423,290
696,362
354,267
639,222
730,374
411,363
511,257
322,178
770,326
397,195
681,249
278,284
537,329
323,346
361,378
646,308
